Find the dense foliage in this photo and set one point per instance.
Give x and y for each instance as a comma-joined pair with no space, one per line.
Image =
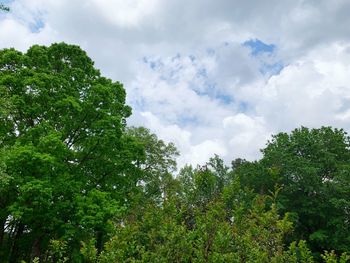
78,185
313,168
67,163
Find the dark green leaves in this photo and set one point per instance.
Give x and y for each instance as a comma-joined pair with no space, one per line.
312,166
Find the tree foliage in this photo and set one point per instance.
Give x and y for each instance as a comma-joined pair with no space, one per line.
64,157
312,166
78,185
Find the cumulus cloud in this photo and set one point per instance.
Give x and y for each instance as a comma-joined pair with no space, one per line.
313,91
125,13
191,153
196,72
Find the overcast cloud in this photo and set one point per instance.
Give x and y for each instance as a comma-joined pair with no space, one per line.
211,76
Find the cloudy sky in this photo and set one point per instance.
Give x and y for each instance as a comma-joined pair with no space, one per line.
211,76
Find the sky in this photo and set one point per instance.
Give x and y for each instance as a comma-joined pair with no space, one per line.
214,77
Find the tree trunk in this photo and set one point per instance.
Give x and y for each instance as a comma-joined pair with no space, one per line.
36,247
2,231
14,254
2,234
99,241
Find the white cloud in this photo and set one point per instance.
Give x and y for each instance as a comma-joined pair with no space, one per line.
244,131
199,86
125,13
18,35
313,91
190,153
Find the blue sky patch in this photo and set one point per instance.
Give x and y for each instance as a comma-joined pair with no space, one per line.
257,47
37,25
6,2
271,69
243,106
224,99
188,120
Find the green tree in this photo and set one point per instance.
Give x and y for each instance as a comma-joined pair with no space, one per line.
157,162
204,183
161,234
63,151
312,166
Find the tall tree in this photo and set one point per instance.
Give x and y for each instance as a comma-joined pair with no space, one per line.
62,149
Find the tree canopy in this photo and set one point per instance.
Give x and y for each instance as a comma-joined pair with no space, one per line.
78,185
64,151
312,167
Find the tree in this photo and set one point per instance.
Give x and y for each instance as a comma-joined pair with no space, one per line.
62,150
157,162
204,183
312,166
160,234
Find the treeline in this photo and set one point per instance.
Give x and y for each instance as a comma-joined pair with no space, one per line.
78,185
